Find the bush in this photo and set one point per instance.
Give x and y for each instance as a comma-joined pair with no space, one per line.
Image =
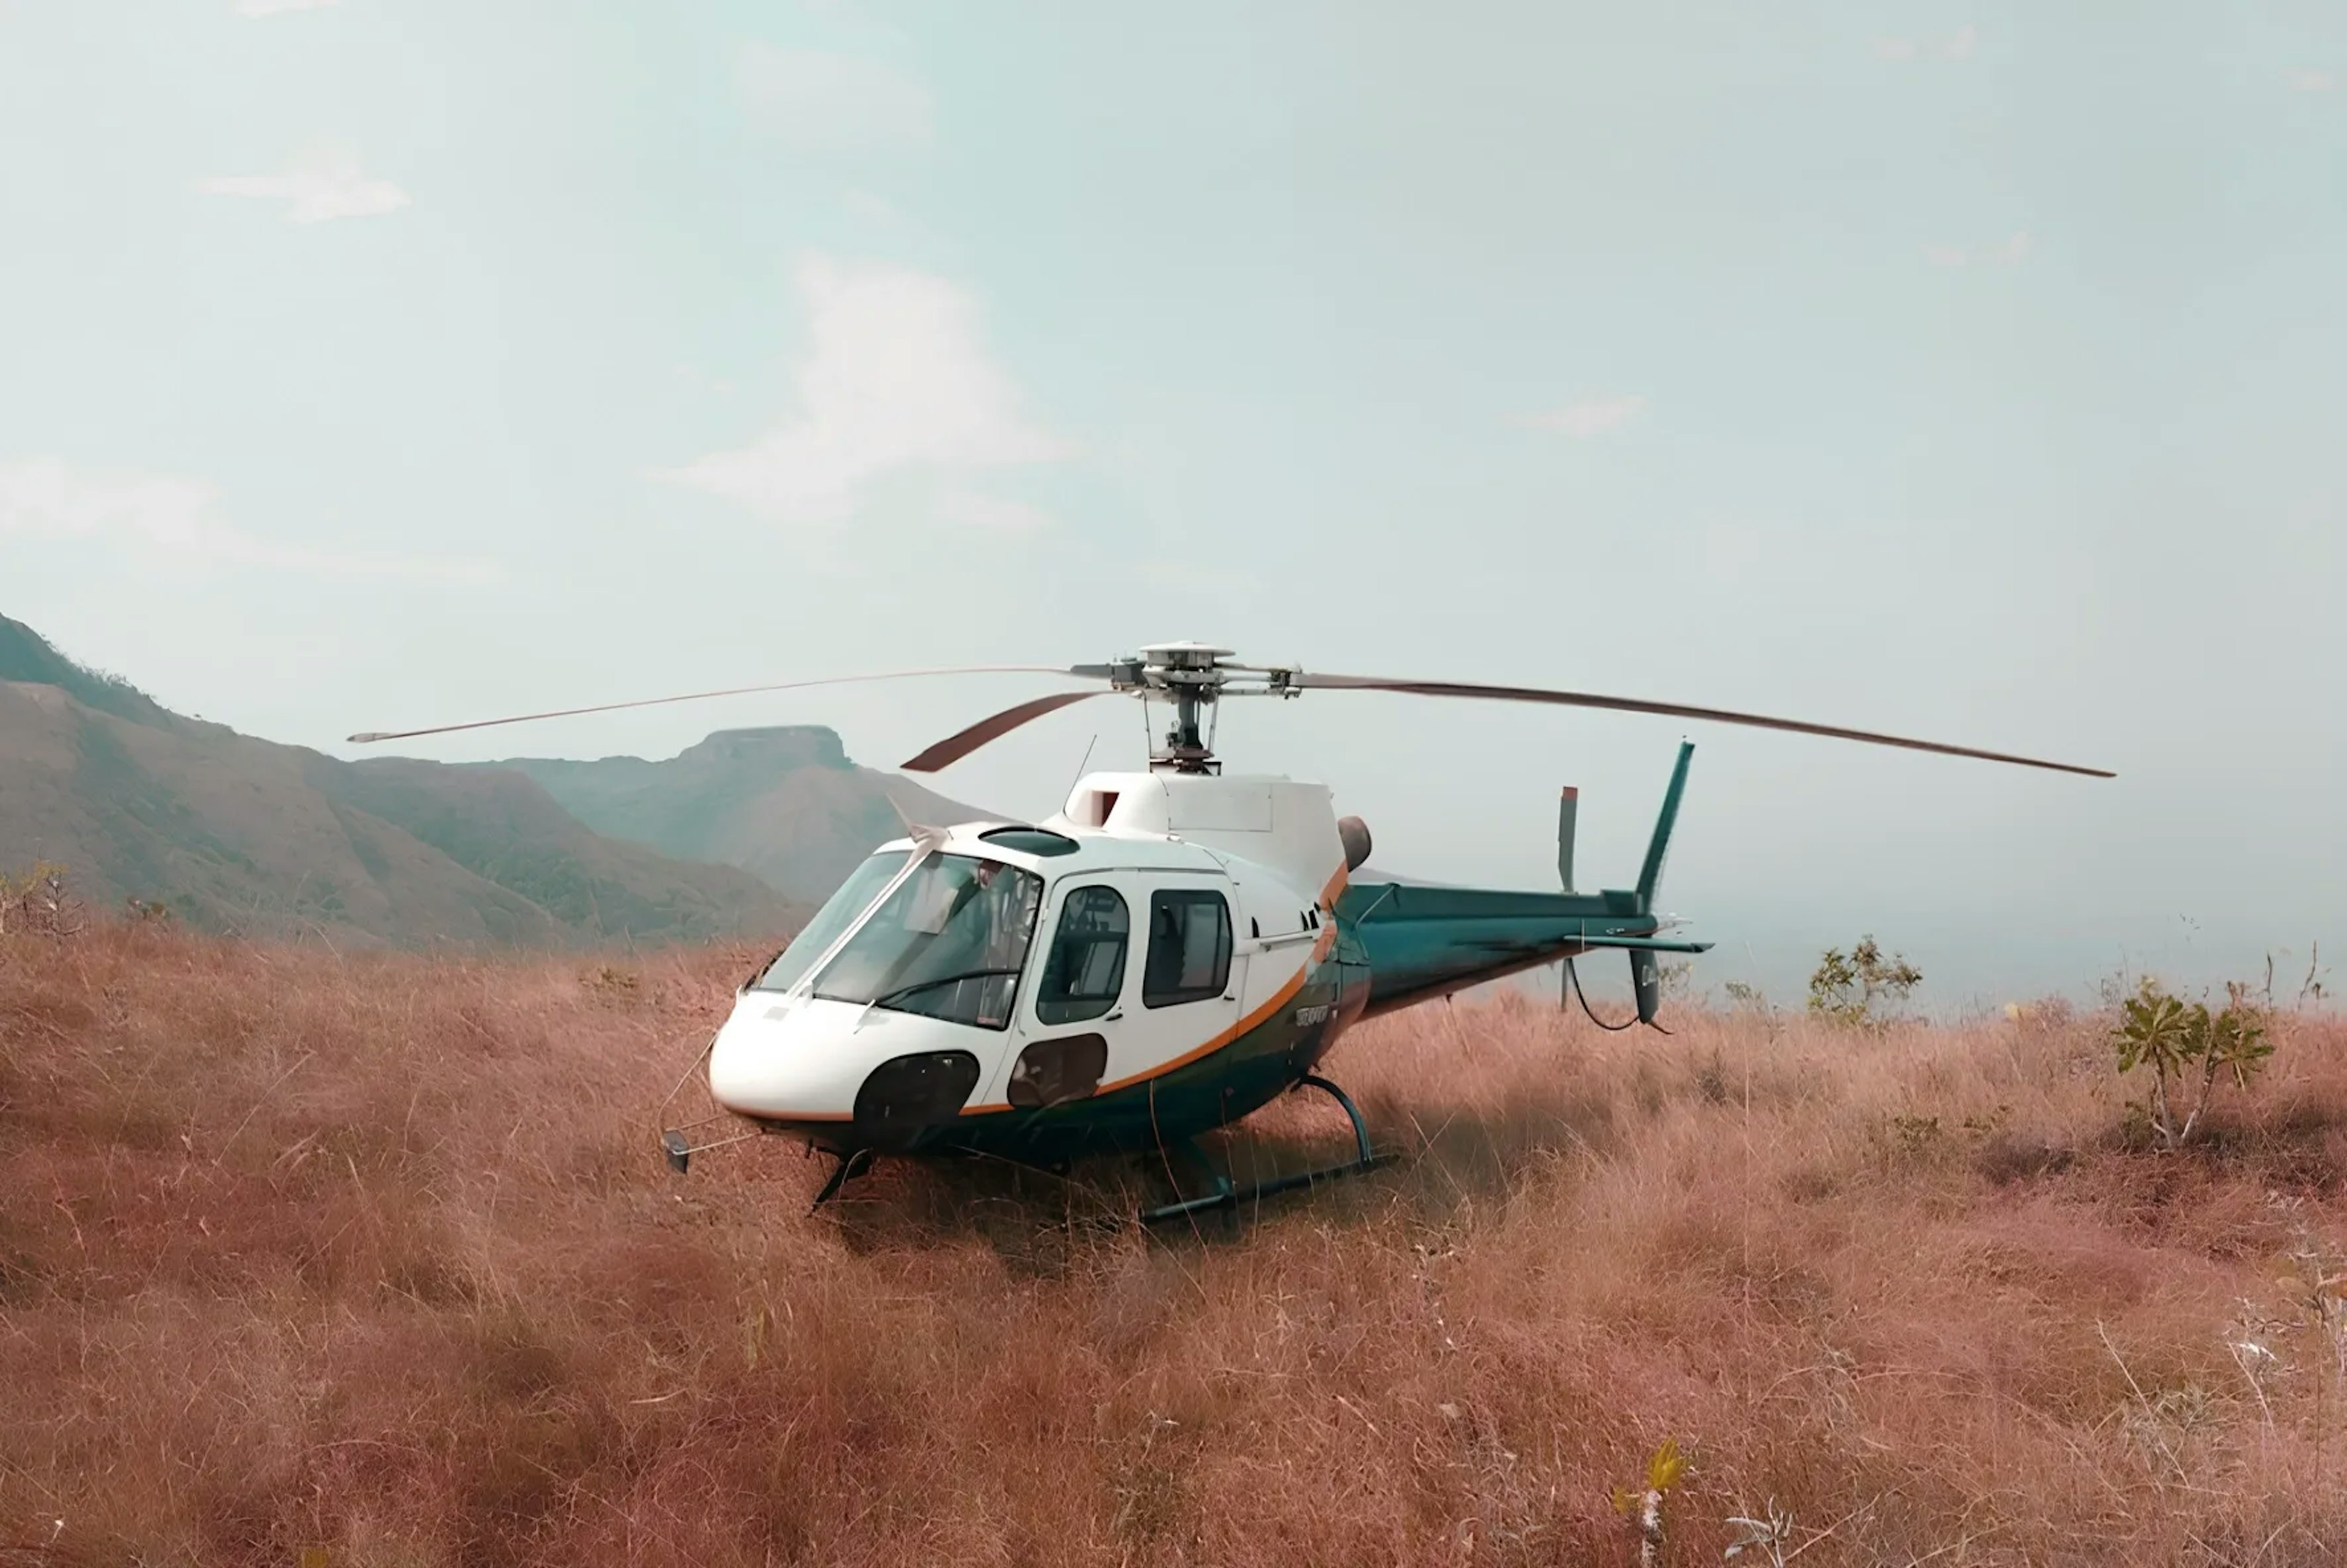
2172,1038
1848,986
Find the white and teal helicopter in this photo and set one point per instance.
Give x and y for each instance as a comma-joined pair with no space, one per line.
1170,951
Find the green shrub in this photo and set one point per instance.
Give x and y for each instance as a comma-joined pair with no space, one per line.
1848,988
2175,1038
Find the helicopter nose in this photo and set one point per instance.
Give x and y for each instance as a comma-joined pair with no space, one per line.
777,1063
891,1076
761,1084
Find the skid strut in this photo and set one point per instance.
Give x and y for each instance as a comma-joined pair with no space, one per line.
1225,1194
853,1164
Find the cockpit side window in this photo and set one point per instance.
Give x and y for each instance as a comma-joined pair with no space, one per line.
1189,947
1083,974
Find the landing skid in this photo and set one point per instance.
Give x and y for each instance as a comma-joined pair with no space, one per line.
1222,1192
1226,1194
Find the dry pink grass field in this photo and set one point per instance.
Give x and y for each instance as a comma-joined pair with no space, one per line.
375,1255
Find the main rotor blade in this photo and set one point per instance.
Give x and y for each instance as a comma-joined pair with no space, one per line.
366,736
955,747
1673,710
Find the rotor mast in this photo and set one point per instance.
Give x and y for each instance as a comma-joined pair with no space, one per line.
1193,678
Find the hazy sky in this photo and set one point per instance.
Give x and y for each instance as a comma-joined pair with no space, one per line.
1975,370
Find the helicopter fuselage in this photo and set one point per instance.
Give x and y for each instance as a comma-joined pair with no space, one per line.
1164,956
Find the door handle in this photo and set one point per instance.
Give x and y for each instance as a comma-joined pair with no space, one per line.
1115,1016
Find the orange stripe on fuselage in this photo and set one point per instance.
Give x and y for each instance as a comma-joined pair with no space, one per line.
1286,994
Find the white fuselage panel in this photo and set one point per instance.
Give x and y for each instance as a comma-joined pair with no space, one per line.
1281,825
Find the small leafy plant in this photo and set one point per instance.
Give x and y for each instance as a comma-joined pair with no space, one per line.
1850,987
2180,1040
1664,1469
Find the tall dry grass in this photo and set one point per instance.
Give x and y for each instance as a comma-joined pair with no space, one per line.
376,1255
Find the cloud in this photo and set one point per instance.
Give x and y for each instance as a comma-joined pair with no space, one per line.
2011,253
45,497
821,102
279,7
1590,416
895,382
990,513
1956,47
322,183
2314,81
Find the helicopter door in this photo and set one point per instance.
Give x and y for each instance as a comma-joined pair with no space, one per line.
1184,992
1064,1056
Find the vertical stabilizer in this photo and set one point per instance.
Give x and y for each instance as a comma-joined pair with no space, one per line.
1568,807
1651,873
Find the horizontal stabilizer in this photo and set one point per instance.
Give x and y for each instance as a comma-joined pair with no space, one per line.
1645,944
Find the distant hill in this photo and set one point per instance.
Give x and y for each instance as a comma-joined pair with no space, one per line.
784,804
26,656
238,834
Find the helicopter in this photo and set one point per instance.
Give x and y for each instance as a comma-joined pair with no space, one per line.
1169,952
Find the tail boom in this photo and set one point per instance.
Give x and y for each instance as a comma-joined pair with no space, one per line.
1419,940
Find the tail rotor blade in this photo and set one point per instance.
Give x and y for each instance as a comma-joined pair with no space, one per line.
366,737
956,746
1310,680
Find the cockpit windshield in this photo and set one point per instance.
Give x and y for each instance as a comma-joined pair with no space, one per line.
838,913
948,943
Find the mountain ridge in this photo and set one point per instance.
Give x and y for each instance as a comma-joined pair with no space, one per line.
785,803
234,833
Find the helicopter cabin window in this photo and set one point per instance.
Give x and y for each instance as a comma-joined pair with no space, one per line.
1189,947
1083,974
948,943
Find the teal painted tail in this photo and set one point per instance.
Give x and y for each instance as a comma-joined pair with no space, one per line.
1650,875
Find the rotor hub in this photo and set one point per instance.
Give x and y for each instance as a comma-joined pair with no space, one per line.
1193,678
